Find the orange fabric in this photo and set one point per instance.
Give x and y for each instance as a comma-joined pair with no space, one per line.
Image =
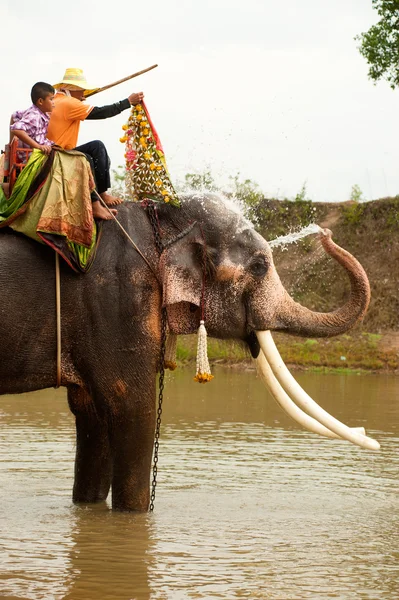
65,119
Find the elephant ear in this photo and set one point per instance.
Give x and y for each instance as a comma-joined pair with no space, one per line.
181,269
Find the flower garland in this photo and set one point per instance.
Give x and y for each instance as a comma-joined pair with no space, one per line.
146,171
203,374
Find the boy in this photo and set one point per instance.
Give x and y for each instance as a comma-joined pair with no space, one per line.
30,125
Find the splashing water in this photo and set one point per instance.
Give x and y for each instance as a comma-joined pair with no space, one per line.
283,240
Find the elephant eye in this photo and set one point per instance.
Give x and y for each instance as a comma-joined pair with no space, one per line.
258,267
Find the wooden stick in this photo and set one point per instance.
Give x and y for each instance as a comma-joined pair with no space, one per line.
106,87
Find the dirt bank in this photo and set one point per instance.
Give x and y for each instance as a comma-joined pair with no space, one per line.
370,231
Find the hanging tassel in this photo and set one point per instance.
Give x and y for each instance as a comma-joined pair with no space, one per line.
170,352
203,370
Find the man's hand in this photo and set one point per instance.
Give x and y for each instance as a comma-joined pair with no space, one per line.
135,98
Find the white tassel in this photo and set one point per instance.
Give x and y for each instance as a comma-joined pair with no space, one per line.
203,370
170,352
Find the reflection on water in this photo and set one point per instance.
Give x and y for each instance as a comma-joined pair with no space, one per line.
247,506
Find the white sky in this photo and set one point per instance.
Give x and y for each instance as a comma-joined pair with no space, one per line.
276,91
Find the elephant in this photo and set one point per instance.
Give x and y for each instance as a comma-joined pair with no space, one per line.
203,259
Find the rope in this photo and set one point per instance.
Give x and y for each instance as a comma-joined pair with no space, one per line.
58,315
124,230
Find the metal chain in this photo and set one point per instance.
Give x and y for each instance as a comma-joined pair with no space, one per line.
159,245
159,410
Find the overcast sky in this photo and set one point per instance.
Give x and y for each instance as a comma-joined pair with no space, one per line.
275,91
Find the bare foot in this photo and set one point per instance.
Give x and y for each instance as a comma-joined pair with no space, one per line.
110,200
100,212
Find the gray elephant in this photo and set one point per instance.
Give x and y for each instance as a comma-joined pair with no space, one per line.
212,261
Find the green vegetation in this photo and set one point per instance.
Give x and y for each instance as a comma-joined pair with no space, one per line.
380,44
352,213
346,353
118,183
356,194
200,181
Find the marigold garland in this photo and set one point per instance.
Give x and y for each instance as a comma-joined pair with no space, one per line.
146,171
203,374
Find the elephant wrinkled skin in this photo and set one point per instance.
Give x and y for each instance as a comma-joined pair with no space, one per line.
111,325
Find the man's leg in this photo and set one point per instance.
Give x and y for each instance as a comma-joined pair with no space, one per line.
99,211
100,164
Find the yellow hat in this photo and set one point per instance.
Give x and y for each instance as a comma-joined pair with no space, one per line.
74,79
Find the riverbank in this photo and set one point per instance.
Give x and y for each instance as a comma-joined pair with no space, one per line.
360,351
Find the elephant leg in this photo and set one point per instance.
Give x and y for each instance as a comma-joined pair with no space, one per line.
132,441
93,462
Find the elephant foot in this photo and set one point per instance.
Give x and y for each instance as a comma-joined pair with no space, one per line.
90,494
129,504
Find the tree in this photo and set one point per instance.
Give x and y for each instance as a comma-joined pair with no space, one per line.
200,181
118,182
380,44
301,196
356,194
247,191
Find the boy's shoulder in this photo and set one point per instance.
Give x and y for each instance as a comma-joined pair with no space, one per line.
32,111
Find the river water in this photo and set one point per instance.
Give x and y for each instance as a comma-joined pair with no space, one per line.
247,505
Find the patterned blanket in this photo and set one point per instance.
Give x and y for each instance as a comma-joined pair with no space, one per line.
51,204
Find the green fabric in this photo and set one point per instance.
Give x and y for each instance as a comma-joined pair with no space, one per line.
84,256
10,206
59,213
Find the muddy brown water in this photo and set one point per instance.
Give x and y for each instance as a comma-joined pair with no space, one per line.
247,505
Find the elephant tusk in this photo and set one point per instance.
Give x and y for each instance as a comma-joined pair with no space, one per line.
294,390
288,406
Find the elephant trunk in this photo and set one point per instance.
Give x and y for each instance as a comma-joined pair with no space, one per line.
298,320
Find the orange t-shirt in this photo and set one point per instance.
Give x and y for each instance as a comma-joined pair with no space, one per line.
65,118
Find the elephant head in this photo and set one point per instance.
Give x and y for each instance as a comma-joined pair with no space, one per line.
215,264
225,262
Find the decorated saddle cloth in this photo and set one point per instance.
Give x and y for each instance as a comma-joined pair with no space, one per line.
147,175
51,204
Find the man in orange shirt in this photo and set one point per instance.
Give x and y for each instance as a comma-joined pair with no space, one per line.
69,110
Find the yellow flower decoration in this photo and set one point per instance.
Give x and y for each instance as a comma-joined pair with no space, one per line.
170,364
203,377
144,162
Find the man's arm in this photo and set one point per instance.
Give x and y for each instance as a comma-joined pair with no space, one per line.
104,112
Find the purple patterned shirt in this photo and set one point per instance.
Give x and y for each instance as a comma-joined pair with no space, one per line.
34,122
